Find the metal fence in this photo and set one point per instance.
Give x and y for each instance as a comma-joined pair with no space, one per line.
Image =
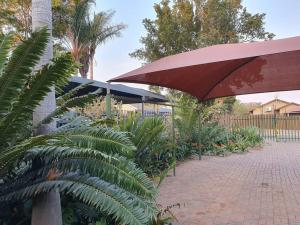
271,127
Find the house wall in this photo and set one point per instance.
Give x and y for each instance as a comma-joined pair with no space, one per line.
287,108
269,108
257,111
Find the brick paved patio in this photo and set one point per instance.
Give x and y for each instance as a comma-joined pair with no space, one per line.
261,187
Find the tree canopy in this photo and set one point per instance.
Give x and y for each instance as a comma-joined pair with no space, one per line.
184,25
15,15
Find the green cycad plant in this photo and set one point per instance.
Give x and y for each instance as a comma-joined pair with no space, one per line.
154,153
192,119
187,127
89,164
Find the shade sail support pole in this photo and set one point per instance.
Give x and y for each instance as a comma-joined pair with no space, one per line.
199,127
143,107
173,140
108,101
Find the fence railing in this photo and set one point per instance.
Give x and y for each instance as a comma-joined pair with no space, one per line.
272,127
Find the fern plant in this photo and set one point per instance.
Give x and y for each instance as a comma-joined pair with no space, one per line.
89,164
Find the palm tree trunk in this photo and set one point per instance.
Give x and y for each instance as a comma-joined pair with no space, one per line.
91,61
92,69
85,64
46,208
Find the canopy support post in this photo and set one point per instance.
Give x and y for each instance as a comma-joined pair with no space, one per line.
143,107
199,125
173,140
108,101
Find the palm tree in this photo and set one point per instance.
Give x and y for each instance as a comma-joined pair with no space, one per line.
87,163
85,34
100,32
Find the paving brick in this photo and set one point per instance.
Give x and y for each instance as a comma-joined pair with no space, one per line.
261,187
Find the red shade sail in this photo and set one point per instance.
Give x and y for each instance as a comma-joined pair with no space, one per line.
226,70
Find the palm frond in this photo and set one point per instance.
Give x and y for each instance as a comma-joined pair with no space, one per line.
101,31
143,131
78,30
19,68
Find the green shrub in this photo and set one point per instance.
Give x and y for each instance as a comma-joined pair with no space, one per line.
157,157
184,150
243,138
251,134
216,140
212,135
154,152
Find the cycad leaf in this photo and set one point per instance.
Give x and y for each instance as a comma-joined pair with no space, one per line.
70,94
121,205
19,68
113,169
80,101
75,122
11,155
102,139
54,74
147,130
5,45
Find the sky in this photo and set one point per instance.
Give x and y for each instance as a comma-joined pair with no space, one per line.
112,59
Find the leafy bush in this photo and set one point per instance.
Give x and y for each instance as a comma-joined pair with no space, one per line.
157,157
250,134
196,130
183,150
216,140
211,137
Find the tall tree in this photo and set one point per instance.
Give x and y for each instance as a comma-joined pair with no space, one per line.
226,21
100,32
189,24
15,15
46,208
176,29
